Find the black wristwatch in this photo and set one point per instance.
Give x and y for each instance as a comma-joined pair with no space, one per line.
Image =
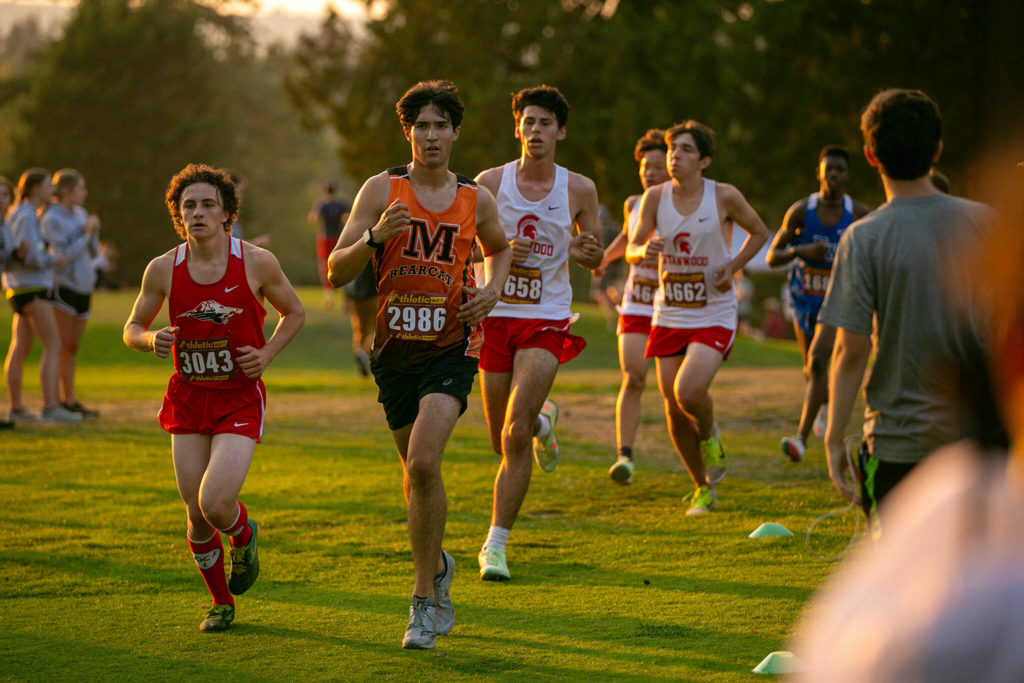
368,238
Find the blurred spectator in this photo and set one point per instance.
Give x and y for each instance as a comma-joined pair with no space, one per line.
74,234
329,214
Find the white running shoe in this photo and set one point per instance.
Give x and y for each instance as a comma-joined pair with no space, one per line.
546,449
793,448
444,610
419,635
821,421
59,413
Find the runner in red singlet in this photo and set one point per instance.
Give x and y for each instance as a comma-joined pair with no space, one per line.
215,285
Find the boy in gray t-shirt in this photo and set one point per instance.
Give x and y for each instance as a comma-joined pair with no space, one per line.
898,267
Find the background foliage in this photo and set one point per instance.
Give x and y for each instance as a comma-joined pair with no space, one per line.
131,91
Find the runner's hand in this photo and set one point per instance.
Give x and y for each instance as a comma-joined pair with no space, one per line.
253,361
585,250
652,250
476,309
521,247
163,341
722,278
393,222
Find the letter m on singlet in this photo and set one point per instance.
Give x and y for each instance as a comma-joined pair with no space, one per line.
438,248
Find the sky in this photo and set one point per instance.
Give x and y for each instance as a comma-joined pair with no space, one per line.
312,8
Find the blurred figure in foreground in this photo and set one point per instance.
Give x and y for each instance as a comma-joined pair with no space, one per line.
940,596
926,388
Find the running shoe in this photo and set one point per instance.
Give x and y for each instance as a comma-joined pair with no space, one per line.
77,407
821,421
622,471
419,634
793,448
59,413
22,415
545,451
218,618
245,564
444,610
493,566
703,499
714,457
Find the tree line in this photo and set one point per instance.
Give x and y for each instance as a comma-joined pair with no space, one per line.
133,90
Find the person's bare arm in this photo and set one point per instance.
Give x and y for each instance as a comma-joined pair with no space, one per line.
739,211
264,269
849,359
585,247
497,259
370,212
792,224
643,246
156,282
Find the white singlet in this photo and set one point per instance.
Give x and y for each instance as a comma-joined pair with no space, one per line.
642,281
694,248
538,288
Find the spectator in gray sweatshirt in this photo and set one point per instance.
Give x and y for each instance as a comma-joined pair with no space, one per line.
74,234
28,285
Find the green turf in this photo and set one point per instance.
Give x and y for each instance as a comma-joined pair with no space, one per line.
609,582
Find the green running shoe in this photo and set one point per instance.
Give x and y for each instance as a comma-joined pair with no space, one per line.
546,450
419,634
444,610
245,564
622,471
218,618
493,566
704,498
714,458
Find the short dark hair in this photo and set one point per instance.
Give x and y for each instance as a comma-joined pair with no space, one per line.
702,135
201,173
902,129
442,94
651,140
544,96
834,151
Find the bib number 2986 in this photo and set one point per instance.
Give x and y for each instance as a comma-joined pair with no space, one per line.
418,317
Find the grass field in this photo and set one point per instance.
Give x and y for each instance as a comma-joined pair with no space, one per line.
609,582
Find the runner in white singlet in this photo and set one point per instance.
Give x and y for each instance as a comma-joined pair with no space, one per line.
688,224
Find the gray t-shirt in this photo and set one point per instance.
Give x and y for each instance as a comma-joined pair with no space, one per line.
905,265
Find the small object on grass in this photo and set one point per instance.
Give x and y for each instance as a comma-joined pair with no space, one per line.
769,529
781,662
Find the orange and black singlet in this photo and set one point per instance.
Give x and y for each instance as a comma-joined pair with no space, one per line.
421,274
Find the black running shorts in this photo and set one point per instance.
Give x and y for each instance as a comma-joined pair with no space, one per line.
450,372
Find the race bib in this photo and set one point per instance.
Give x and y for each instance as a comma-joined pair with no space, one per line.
205,360
416,317
815,281
643,291
523,285
685,290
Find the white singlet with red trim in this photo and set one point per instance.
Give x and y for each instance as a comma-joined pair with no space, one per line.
538,288
694,247
642,282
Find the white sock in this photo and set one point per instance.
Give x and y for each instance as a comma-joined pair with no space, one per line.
543,426
496,538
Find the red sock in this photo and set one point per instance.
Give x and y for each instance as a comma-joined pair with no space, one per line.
240,532
209,556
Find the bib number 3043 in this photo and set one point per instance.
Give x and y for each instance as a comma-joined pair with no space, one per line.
416,317
205,360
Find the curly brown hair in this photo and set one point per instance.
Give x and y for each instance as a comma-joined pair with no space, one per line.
652,139
201,173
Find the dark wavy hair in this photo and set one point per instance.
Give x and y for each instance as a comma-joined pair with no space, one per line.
701,134
442,94
544,96
651,140
902,129
201,173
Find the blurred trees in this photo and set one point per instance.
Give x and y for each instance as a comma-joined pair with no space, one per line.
134,91
776,79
